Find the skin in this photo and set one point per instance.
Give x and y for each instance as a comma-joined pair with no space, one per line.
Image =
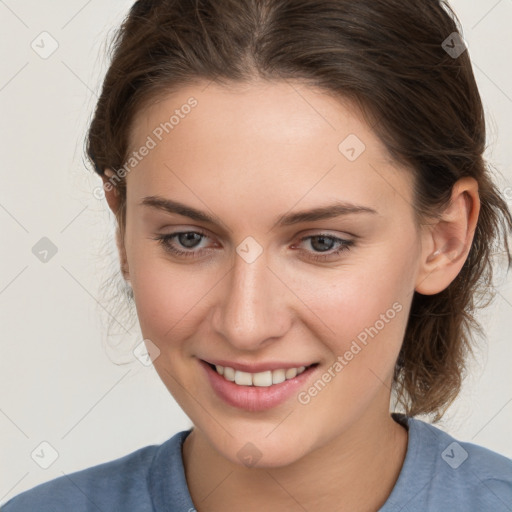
249,154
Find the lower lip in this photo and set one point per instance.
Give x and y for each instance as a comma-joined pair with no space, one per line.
255,398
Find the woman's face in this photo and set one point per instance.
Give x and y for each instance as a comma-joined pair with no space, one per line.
265,283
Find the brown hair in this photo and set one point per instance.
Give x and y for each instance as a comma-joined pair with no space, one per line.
388,57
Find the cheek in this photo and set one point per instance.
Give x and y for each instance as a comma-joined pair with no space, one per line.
352,298
171,299
360,312
367,315
164,294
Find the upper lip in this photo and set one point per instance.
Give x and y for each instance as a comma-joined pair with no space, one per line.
256,367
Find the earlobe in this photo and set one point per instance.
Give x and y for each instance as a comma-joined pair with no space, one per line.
447,244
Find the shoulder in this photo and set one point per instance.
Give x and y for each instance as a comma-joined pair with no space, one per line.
120,484
443,472
464,458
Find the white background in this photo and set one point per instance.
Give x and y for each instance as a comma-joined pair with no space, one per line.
59,381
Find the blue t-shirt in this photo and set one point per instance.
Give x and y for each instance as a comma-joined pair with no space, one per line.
438,474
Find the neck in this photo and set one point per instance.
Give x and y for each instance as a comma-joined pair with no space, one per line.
355,471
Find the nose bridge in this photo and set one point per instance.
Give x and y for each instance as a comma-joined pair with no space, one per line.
252,305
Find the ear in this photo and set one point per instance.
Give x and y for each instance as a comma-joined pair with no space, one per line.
111,192
114,201
446,244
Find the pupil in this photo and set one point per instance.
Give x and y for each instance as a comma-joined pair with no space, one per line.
185,238
322,239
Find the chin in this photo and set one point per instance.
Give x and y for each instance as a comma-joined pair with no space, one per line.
260,451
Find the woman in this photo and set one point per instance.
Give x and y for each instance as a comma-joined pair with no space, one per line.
305,219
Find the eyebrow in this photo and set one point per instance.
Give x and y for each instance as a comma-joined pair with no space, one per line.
336,209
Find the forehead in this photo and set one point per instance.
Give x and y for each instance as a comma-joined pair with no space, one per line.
261,140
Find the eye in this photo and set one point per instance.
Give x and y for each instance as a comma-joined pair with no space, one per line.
325,242
187,239
321,243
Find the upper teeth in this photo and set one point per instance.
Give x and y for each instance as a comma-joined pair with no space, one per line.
261,379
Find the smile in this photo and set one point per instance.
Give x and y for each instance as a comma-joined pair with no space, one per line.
259,379
257,391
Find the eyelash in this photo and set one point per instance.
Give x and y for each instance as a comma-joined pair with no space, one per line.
164,240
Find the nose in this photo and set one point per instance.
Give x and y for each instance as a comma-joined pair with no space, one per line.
252,311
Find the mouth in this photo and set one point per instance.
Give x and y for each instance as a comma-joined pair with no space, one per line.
257,392
264,378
